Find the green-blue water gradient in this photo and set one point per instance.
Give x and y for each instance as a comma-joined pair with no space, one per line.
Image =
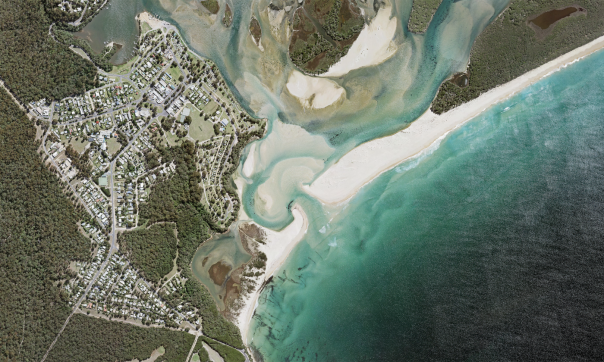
489,249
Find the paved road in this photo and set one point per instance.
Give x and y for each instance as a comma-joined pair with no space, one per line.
77,305
113,235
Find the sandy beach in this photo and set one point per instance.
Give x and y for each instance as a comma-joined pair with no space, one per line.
153,22
367,161
373,46
277,248
248,166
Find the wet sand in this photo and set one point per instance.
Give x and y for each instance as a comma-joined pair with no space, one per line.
364,163
277,248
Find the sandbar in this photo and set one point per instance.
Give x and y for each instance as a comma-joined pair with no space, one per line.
313,92
248,166
367,161
373,46
153,22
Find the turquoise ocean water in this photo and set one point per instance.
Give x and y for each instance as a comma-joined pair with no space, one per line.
489,249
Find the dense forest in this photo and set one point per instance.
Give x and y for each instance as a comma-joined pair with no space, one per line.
100,60
38,238
151,250
228,354
38,228
421,15
509,47
176,199
89,339
32,64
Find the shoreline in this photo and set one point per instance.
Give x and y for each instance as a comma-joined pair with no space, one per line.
279,245
153,22
374,45
367,161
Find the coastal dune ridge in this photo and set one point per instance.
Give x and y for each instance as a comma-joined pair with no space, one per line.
364,163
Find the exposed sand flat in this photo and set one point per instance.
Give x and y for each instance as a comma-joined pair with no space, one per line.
278,246
361,165
248,166
153,22
312,92
373,46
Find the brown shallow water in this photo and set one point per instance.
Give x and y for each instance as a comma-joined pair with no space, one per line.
219,271
549,18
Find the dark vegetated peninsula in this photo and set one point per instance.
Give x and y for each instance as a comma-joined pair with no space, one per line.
255,30
323,32
510,45
421,15
227,19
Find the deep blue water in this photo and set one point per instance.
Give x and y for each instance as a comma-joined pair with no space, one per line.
489,249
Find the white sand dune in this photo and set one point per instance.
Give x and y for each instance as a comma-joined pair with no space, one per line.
367,161
373,46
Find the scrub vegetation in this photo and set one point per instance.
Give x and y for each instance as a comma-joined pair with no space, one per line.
255,30
152,250
227,19
510,47
177,199
323,32
211,5
93,339
227,353
422,13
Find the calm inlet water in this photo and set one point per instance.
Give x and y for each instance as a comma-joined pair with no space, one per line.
489,249
116,24
226,249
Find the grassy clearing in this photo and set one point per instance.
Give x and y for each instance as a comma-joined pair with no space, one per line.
81,53
113,146
200,130
210,108
174,72
172,139
124,68
145,27
79,146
